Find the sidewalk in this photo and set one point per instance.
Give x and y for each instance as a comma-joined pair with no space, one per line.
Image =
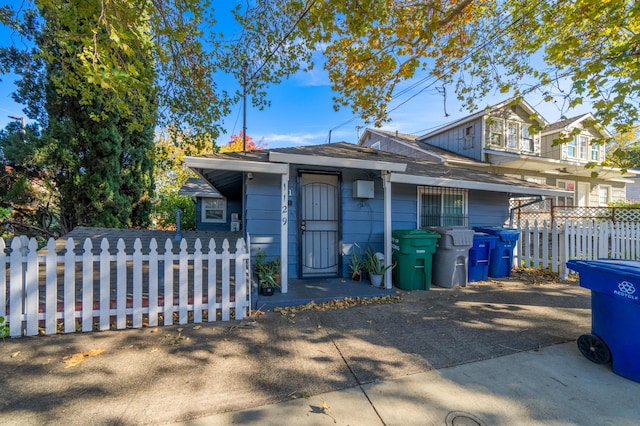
553,386
388,352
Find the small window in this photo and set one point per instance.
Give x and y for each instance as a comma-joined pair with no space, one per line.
496,131
604,195
512,134
565,201
442,206
583,143
595,152
571,148
468,131
214,210
375,145
528,143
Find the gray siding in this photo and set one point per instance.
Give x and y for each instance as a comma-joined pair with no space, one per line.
456,140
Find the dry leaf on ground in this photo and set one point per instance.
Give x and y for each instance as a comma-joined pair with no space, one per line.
75,359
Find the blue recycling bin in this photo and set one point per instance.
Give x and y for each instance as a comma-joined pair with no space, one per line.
501,257
479,255
615,313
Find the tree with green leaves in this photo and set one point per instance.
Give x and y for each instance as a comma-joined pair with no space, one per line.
570,51
93,158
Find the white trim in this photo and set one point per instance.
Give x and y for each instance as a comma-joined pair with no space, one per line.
284,233
386,185
480,186
235,165
347,163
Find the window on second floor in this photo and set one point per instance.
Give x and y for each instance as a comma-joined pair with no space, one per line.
496,131
578,147
442,206
595,152
528,139
512,134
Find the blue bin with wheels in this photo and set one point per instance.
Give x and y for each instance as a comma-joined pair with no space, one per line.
479,255
501,258
615,313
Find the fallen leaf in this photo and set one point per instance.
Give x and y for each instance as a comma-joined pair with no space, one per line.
197,327
153,350
15,354
154,330
75,359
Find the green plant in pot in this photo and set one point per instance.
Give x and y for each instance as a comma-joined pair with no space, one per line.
375,266
268,273
356,264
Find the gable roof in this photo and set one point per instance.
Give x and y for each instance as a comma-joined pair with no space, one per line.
198,187
486,111
345,155
436,152
570,123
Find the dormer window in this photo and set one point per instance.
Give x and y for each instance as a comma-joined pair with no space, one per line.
528,143
512,134
496,131
595,152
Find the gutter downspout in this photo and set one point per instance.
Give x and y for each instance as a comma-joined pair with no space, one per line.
538,199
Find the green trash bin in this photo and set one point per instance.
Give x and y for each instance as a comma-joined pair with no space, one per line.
412,253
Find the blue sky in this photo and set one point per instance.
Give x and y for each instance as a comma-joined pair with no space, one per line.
302,113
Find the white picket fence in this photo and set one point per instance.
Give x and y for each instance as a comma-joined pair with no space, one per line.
67,292
549,246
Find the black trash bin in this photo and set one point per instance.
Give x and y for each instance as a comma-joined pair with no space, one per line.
615,313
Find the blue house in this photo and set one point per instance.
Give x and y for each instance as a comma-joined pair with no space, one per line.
310,205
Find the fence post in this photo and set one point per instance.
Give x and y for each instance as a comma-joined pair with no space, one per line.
136,319
226,284
87,286
212,281
168,282
564,251
105,285
51,288
15,288
241,277
183,283
70,287
121,286
153,283
31,286
197,282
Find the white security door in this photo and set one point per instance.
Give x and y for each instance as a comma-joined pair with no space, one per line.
319,225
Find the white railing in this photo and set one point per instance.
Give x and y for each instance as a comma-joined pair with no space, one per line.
99,290
548,246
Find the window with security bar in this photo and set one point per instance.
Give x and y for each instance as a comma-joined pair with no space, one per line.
442,206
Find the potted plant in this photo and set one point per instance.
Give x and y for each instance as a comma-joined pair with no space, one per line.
376,267
356,264
268,273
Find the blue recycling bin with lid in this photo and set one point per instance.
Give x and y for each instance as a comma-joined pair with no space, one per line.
479,255
501,258
615,313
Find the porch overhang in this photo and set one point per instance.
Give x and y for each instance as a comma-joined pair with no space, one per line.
478,186
236,165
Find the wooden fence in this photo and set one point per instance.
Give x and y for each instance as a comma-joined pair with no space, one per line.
85,289
549,245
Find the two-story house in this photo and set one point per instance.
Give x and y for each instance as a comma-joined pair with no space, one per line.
513,139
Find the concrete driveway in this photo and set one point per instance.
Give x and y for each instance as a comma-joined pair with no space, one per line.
184,373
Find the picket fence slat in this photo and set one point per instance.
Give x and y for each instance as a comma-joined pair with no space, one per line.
586,240
102,290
